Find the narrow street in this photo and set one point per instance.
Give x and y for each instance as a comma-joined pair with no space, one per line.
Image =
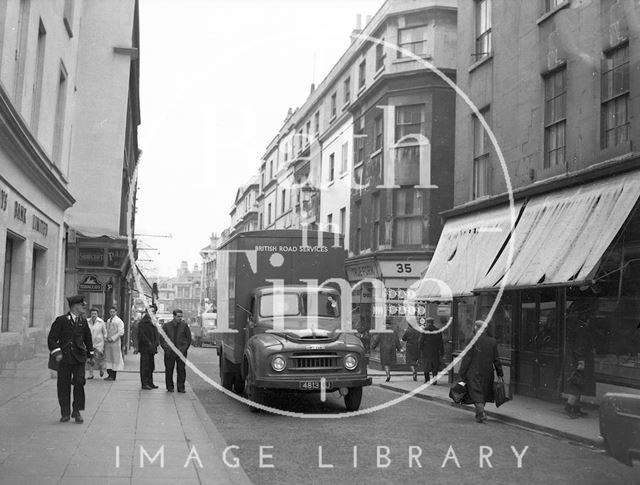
429,427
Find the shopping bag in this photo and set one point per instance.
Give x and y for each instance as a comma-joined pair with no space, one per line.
499,393
458,392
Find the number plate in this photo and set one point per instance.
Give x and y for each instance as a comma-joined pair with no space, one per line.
313,385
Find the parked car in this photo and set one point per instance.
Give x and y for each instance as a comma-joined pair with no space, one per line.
620,426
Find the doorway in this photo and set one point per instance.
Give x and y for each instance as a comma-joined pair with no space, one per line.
539,358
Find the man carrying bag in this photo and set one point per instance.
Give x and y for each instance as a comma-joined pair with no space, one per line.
71,346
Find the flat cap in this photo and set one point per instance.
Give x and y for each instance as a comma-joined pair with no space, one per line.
74,300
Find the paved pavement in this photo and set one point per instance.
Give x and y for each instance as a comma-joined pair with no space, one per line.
536,414
122,424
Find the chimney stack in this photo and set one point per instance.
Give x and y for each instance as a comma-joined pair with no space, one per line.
358,29
313,88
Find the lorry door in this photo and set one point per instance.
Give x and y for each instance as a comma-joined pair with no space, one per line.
251,319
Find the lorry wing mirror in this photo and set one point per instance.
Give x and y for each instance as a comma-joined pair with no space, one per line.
244,310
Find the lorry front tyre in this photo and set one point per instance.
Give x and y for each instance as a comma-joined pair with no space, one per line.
253,392
353,398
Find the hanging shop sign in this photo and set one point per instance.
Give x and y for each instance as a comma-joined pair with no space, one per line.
90,283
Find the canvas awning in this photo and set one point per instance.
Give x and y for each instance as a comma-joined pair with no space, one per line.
468,246
562,236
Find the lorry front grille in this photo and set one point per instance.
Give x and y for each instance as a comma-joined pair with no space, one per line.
314,361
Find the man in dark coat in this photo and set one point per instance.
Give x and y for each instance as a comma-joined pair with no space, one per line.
180,335
147,340
70,345
476,370
431,348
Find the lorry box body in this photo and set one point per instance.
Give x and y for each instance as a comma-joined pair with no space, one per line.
253,268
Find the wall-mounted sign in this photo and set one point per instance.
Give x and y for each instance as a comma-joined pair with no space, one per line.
19,212
403,269
3,199
91,257
116,256
90,283
39,225
359,271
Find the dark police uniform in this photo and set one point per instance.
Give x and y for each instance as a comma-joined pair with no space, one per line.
71,336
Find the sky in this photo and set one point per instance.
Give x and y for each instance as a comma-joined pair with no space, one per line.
217,78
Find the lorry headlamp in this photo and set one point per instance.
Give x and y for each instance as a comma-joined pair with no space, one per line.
350,361
278,363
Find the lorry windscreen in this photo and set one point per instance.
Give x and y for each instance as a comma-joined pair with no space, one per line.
287,305
328,305
290,304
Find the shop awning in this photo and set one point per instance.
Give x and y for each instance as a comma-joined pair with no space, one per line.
562,236
468,246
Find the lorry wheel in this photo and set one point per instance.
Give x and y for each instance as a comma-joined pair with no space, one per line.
252,392
353,398
225,376
238,383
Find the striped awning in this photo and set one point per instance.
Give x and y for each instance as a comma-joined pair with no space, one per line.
466,250
561,237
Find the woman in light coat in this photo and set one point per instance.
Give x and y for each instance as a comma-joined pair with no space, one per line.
113,345
98,336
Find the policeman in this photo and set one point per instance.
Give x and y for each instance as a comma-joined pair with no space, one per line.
70,345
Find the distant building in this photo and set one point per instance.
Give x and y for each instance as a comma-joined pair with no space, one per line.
209,275
182,292
244,213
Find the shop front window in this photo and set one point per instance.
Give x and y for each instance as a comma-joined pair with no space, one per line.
501,325
465,310
612,307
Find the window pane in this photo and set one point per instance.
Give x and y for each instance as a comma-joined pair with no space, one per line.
281,305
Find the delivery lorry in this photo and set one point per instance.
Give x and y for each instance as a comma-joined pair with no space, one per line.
282,330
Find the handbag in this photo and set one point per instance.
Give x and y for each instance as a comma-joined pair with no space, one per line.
499,392
458,392
53,363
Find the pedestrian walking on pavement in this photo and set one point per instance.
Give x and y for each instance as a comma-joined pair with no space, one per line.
431,349
113,345
579,364
476,370
389,343
412,350
70,344
147,339
134,334
179,333
98,336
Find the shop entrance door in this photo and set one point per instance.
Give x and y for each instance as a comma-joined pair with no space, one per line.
539,359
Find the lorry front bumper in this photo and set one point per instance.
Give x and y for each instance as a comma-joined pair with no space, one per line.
295,383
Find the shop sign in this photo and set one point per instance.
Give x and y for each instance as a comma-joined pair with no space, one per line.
91,257
115,257
403,269
400,309
360,271
444,310
90,283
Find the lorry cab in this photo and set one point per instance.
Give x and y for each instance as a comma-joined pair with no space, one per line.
295,341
